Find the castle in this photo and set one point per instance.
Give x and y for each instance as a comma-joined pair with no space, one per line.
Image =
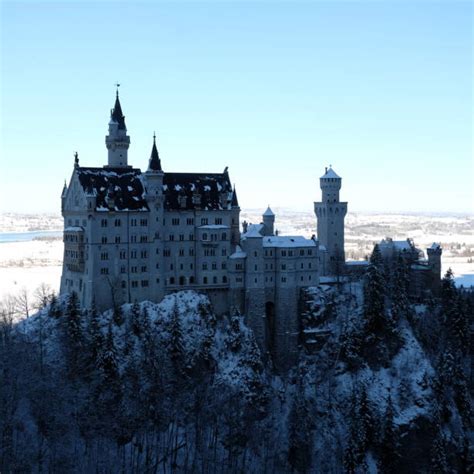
132,236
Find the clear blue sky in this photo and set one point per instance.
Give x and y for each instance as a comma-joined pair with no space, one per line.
276,91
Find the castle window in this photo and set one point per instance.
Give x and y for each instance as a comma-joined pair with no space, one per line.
283,266
133,238
123,254
214,280
171,237
191,236
309,277
181,237
238,266
191,252
309,265
256,280
218,221
144,269
204,266
238,280
133,254
171,280
166,252
104,256
103,223
223,265
117,239
302,278
224,236
255,254
191,266
204,221
214,265
224,279
124,284
191,280
143,238
283,279
175,221
123,269
182,280
302,265
143,254
144,283
283,253
204,236
117,222
224,252
204,280
133,222
157,266
157,251
104,271
189,221
133,269
171,266
104,240
134,284
143,222
181,252
290,253
310,252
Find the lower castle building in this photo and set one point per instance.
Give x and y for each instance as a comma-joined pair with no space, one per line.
131,236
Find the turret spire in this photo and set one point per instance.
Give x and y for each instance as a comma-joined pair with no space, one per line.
116,114
155,162
117,140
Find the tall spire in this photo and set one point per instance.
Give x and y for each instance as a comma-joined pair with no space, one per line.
235,201
155,162
117,114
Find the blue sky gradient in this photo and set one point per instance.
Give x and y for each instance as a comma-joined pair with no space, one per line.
276,91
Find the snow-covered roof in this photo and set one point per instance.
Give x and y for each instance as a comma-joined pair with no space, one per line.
214,226
322,248
253,231
330,173
239,253
268,213
73,229
288,241
402,245
354,263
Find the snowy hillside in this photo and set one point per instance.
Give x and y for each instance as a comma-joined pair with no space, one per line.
170,388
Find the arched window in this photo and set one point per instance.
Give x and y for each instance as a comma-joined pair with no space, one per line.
182,280
171,280
214,279
204,280
224,279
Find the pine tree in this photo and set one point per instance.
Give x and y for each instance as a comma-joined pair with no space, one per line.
96,338
351,344
107,362
389,447
367,420
54,308
74,340
439,464
300,432
135,319
118,315
176,347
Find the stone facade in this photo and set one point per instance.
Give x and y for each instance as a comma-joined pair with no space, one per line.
131,236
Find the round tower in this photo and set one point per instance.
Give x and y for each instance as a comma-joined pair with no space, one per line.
269,222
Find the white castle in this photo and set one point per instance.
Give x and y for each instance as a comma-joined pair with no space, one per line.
132,236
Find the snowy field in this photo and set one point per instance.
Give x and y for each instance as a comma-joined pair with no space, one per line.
28,264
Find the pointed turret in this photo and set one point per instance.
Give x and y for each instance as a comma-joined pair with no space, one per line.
155,163
235,201
269,222
116,114
117,141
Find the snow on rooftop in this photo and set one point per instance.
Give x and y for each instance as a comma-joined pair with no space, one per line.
253,230
214,226
73,229
268,213
239,253
288,241
330,173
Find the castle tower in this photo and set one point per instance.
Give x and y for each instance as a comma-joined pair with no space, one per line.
153,182
117,141
330,213
269,222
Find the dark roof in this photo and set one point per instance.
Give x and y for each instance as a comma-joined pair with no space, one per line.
154,163
185,191
117,114
115,189
235,201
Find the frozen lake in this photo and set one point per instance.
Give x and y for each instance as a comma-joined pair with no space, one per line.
26,236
